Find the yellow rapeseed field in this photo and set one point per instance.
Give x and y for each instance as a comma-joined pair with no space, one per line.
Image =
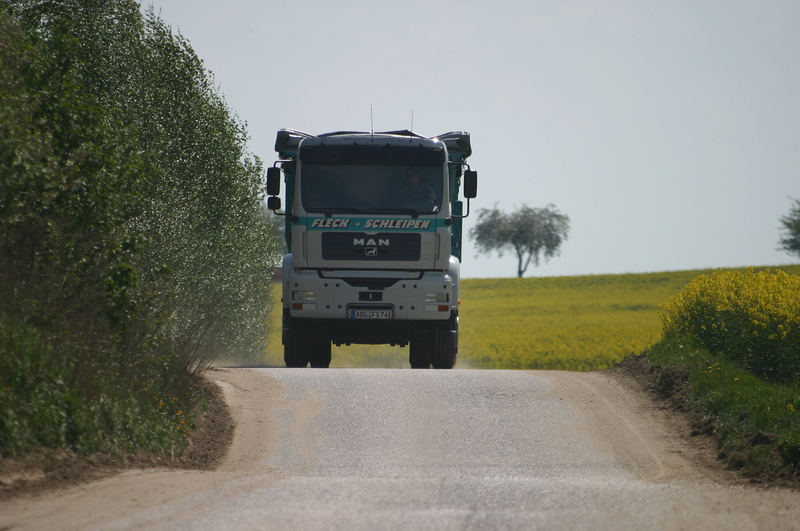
573,323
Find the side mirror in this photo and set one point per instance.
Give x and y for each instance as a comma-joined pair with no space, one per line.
273,181
274,203
470,184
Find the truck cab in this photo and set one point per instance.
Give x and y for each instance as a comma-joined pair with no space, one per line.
373,225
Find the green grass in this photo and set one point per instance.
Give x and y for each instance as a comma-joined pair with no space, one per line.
756,422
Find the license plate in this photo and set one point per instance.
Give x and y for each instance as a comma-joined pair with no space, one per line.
371,314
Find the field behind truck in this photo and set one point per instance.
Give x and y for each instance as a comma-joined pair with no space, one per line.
577,323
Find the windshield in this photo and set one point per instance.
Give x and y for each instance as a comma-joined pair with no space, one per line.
373,188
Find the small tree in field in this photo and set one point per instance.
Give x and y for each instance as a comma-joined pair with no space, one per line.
790,240
532,233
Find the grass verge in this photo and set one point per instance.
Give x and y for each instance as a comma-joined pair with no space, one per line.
756,423
735,335
47,468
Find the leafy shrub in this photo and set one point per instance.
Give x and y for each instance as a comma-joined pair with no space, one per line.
44,405
750,317
134,242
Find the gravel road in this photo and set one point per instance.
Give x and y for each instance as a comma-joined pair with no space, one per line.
403,449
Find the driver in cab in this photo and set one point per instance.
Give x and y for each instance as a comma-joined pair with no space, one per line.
419,194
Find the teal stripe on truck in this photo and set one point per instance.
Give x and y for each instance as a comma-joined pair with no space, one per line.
371,224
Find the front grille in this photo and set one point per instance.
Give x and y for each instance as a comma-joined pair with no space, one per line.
361,246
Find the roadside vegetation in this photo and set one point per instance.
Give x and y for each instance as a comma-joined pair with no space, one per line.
134,243
736,337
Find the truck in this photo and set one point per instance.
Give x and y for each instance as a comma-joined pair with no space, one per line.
373,226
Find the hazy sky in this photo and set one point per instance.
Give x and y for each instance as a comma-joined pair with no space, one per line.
669,131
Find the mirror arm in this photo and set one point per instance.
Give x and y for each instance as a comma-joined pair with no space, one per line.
462,216
292,217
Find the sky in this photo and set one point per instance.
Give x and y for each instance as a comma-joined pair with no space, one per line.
668,131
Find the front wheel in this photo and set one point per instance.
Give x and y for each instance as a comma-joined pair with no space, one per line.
320,351
295,350
438,346
419,353
444,357
295,341
446,345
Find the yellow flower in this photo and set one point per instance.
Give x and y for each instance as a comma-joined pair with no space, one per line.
790,407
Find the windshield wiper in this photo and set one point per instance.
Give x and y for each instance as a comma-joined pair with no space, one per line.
354,210
338,210
410,211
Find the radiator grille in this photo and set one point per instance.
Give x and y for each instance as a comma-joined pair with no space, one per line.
360,246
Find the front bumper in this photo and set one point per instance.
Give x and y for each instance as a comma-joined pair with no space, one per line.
411,296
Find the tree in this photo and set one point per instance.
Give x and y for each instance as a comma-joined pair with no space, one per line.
134,239
790,240
532,233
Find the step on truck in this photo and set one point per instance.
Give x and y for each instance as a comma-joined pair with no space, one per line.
373,224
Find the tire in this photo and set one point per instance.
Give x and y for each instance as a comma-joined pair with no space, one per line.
419,352
295,342
295,353
446,345
320,352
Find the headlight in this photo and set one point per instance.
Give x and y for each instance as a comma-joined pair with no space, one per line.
434,298
304,296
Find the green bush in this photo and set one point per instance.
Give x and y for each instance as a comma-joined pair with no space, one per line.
751,317
134,241
44,406
738,336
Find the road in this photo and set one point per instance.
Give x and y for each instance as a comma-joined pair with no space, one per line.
403,449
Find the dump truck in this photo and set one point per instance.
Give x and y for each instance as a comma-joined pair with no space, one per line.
373,225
